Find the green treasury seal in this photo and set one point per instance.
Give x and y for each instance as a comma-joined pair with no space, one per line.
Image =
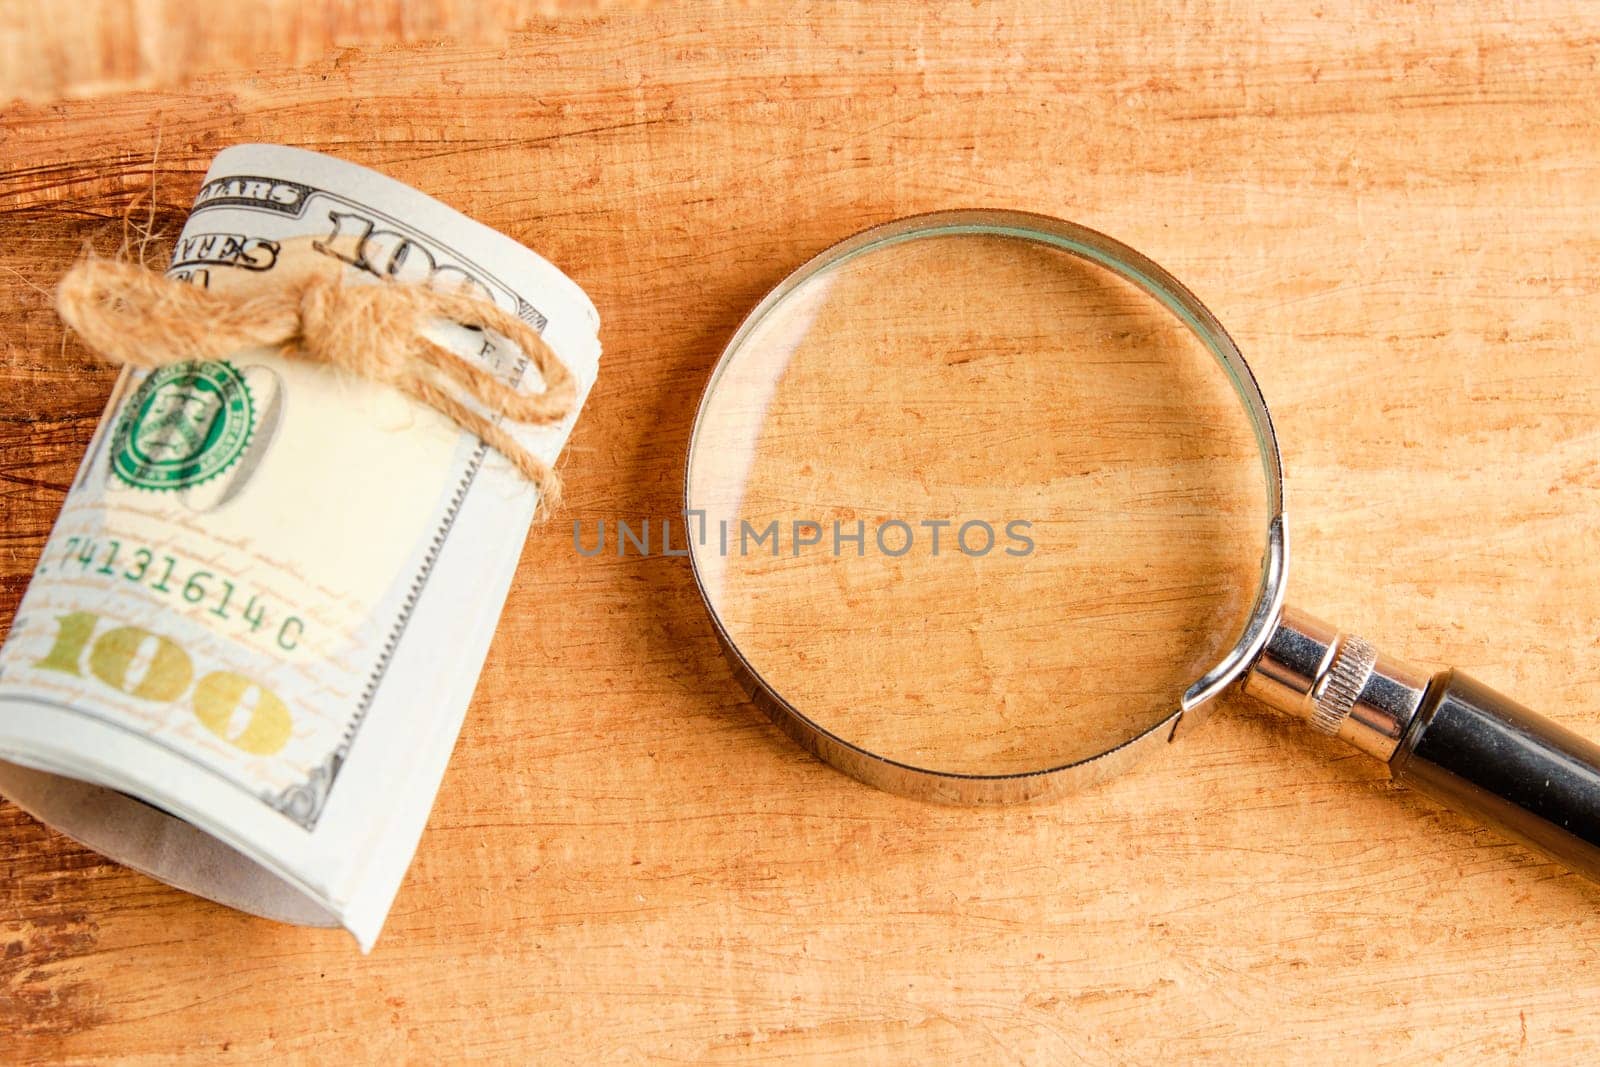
186,423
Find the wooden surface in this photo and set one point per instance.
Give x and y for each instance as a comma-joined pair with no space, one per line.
1393,211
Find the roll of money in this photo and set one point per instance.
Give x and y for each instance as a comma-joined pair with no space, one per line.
249,644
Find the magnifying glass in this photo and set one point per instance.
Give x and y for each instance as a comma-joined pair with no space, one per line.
985,505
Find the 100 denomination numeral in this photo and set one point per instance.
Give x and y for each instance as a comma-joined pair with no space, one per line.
148,666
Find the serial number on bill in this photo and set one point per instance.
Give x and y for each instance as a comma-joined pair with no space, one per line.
167,575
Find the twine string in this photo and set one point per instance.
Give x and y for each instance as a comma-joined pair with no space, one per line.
126,314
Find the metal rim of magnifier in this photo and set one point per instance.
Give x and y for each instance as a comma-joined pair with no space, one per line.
930,783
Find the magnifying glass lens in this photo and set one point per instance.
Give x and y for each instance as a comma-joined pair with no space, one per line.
975,503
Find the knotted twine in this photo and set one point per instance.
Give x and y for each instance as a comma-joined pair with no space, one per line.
129,315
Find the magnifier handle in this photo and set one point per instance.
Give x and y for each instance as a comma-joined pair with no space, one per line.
1449,737
1489,757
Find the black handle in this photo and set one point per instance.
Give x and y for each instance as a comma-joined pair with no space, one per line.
1489,757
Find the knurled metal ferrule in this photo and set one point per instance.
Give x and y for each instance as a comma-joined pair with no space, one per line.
1341,686
1336,682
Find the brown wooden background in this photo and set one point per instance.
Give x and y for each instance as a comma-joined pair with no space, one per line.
1392,207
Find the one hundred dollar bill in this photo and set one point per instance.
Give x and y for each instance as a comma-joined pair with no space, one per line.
248,646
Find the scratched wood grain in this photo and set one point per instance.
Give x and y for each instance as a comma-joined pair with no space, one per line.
1392,208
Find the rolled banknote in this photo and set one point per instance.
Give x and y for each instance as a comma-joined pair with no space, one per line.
248,646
